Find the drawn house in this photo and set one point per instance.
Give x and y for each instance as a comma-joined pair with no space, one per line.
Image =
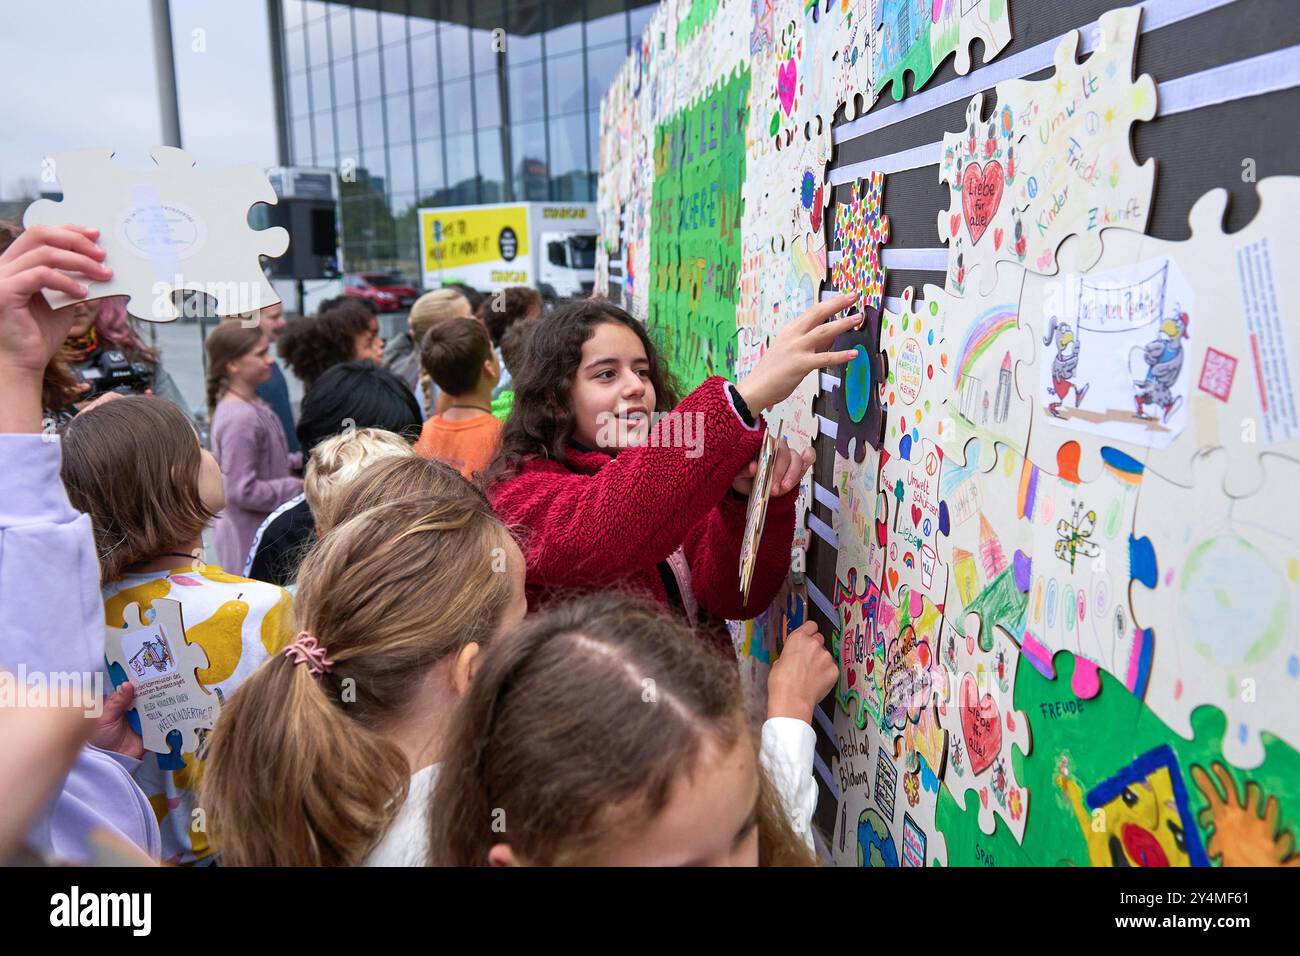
966,573
1002,402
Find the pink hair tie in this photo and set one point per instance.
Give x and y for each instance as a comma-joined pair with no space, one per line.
305,649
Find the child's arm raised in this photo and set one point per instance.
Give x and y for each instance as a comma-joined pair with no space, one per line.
591,530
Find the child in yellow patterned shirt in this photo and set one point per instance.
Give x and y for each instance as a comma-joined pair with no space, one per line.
136,467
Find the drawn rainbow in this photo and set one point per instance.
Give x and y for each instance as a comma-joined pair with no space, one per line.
982,334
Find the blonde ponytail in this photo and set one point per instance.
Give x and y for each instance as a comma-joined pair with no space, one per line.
298,773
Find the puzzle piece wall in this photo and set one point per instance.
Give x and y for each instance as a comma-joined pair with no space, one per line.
1065,572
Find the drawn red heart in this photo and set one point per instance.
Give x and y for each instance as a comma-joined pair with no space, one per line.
1011,722
882,532
955,223
786,76
893,579
916,516
997,238
853,677
984,796
981,725
981,191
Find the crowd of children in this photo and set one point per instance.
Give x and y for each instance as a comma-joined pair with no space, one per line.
454,640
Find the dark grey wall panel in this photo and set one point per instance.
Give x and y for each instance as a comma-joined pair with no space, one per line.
1195,152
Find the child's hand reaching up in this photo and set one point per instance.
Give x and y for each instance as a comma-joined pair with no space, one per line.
799,348
803,674
789,469
31,333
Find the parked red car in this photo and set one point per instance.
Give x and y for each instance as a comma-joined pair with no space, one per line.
388,291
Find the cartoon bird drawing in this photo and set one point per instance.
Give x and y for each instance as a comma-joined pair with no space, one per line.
1164,358
959,267
1064,365
1018,233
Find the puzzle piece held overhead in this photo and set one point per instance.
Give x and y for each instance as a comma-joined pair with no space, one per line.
167,229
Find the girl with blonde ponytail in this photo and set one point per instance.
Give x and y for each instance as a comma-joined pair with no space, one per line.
327,754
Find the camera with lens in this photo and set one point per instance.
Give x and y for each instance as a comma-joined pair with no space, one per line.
112,371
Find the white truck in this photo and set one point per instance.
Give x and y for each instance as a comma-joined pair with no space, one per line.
550,246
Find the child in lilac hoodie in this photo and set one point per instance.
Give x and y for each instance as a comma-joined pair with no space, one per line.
51,612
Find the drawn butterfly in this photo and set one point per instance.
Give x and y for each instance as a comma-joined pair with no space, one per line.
1075,535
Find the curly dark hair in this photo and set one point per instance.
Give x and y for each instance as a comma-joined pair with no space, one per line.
541,422
310,347
501,310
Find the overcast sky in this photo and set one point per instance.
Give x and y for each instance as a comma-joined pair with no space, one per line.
81,73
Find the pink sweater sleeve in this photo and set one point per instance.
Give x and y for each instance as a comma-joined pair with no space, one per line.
240,441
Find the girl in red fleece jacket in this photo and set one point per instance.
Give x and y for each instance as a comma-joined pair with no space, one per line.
609,494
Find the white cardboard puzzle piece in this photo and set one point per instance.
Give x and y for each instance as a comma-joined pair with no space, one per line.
988,547
1226,606
1053,160
891,749
983,344
975,684
916,36
161,663
166,229
912,459
1080,568
1211,359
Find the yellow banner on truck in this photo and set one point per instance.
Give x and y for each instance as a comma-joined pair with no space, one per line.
460,236
497,245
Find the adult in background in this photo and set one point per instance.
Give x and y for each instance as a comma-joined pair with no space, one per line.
104,326
350,396
472,295
275,390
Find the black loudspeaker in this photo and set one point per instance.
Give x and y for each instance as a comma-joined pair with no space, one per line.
313,238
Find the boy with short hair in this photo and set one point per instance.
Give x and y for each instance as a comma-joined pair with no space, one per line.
457,354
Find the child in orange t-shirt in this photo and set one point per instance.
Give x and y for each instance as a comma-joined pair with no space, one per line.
457,354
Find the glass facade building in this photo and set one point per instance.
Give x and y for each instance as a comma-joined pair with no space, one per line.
446,102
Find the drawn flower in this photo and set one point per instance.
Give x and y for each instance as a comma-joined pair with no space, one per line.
1016,807
807,189
1007,121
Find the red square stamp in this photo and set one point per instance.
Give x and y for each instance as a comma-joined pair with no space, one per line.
1217,374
